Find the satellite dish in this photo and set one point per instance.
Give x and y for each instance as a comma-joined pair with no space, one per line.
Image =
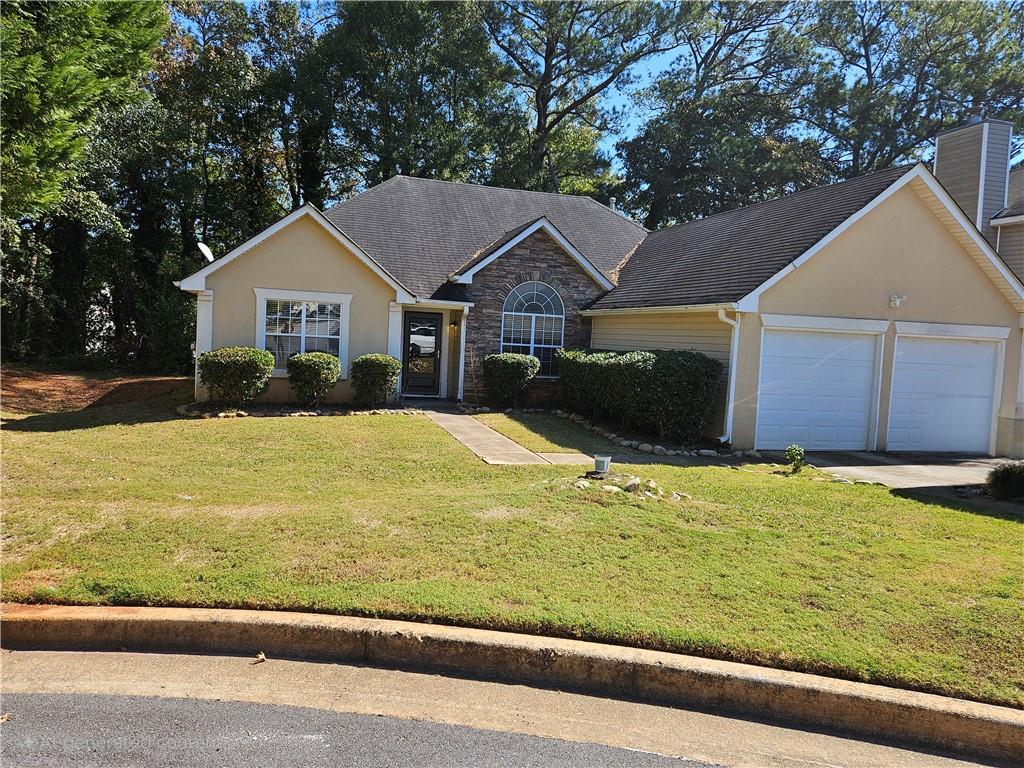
205,250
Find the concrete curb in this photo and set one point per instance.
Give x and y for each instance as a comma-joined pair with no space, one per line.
979,730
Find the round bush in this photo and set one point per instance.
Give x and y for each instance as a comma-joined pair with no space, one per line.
313,376
506,375
235,375
1007,480
375,379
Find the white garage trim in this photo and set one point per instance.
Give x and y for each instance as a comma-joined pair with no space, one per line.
980,332
966,333
831,326
813,323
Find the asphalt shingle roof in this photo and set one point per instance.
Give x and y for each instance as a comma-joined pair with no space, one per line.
422,231
721,258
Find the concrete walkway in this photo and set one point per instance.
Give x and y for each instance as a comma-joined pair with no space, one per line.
491,446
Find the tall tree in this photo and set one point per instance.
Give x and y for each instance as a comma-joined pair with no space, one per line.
723,130
63,62
416,89
562,57
889,74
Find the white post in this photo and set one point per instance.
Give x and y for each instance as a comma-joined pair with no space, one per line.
204,334
462,352
395,336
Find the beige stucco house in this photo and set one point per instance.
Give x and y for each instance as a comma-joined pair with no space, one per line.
874,314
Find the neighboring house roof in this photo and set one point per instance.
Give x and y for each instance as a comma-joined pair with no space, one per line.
721,258
423,231
1014,196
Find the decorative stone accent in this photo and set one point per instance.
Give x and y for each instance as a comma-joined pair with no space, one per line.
212,411
538,257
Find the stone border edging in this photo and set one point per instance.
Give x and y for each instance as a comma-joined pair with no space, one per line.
980,730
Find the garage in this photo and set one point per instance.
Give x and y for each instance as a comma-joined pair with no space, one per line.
943,394
817,389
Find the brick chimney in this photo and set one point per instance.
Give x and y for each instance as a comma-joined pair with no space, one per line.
973,161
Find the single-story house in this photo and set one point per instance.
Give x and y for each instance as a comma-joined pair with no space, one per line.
872,314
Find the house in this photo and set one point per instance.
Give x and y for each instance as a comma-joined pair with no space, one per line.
871,314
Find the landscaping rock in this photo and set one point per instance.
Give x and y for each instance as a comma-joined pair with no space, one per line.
678,496
581,485
660,450
707,452
632,485
611,489
738,454
645,447
754,454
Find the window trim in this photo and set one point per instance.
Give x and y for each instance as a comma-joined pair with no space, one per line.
344,299
533,324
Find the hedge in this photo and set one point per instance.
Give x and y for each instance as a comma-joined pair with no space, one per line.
507,374
313,375
375,379
673,393
235,375
1006,481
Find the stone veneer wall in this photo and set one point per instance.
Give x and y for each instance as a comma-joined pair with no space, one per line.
538,257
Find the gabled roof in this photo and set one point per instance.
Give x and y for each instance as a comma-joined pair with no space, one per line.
422,231
722,258
197,280
733,257
510,239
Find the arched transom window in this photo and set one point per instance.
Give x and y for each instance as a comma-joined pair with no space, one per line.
532,323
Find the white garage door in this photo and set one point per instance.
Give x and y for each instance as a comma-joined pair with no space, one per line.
816,390
942,392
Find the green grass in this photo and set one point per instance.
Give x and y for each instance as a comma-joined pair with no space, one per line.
389,516
545,433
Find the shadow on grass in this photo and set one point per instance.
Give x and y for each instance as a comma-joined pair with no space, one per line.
146,412
946,496
568,436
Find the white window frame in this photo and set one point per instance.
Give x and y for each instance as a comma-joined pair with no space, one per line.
533,324
344,299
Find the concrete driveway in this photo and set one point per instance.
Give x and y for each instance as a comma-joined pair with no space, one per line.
909,471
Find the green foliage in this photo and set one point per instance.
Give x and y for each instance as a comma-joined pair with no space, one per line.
236,375
506,375
313,375
1006,481
795,457
64,62
672,392
375,379
562,57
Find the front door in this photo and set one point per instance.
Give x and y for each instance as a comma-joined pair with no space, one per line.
421,373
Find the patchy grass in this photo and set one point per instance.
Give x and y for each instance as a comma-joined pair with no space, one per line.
545,433
389,516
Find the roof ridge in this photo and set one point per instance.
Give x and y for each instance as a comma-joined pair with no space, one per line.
905,168
489,186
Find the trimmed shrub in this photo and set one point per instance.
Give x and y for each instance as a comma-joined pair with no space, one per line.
235,375
313,376
1007,480
375,379
673,393
506,375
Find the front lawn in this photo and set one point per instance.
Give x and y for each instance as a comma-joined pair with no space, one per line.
388,516
547,433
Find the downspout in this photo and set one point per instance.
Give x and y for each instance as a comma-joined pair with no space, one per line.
734,344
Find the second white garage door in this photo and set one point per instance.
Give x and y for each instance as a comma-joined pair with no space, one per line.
816,389
942,392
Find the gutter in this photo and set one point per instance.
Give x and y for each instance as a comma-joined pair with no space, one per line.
671,308
734,344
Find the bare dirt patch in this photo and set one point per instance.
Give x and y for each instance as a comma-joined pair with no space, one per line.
26,390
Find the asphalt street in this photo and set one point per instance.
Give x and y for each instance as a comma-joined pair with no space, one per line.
58,730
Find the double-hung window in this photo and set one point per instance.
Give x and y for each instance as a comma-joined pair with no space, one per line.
533,323
292,322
